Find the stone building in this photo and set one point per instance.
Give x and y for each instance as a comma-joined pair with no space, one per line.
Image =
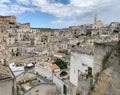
81,70
10,40
114,26
24,26
97,23
9,19
82,63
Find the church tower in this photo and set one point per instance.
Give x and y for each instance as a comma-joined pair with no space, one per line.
97,23
95,18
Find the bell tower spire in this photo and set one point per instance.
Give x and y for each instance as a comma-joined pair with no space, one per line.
95,18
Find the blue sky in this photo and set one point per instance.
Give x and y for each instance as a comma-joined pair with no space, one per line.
61,13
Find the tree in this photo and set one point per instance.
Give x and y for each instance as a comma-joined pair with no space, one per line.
88,33
115,31
61,64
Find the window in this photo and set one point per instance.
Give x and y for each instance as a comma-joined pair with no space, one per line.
37,91
89,70
11,50
17,49
83,64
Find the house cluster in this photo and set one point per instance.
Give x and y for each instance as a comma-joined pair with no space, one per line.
37,61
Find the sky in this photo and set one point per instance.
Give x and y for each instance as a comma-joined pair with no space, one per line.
61,13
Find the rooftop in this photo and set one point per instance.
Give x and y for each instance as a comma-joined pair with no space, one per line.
85,50
54,67
5,72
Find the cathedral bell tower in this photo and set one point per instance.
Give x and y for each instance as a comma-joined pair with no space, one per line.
95,18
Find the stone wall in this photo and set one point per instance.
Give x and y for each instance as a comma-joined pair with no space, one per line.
100,50
43,72
108,82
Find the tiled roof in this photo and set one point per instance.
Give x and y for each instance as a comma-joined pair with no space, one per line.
54,67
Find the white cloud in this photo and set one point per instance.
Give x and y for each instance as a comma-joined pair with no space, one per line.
4,1
82,11
24,2
65,23
15,9
74,10
9,8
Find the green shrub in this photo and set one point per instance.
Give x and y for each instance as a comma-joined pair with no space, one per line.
23,89
88,33
92,88
63,73
61,64
63,52
115,31
106,57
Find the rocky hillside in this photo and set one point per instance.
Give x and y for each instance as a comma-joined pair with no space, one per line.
108,82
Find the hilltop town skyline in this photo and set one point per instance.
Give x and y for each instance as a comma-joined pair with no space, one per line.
77,60
59,47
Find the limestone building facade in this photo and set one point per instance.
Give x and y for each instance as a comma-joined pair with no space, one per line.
9,19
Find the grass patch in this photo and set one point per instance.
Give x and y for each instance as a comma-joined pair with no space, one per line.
63,52
106,57
23,82
118,46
